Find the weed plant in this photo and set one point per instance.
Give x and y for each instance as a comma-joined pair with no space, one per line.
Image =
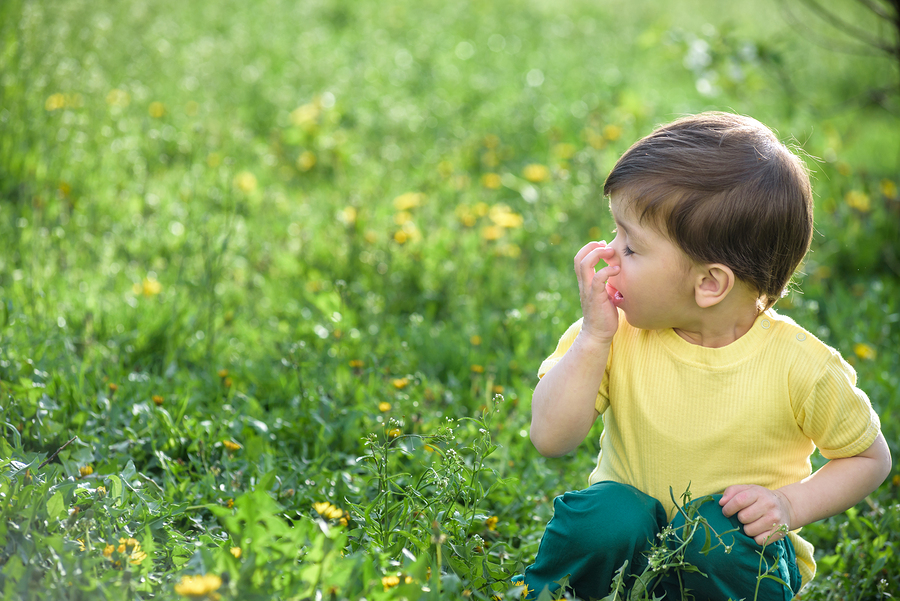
276,278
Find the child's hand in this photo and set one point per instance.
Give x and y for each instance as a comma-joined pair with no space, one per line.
760,510
601,319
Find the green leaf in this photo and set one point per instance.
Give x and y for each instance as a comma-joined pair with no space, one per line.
56,507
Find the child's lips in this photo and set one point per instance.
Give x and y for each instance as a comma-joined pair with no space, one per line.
614,294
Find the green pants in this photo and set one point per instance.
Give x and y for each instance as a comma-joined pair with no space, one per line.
596,530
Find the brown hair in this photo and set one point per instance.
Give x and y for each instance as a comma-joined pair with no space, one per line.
725,190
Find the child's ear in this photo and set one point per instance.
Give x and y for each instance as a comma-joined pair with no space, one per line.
713,284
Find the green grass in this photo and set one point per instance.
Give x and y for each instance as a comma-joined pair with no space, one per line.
204,239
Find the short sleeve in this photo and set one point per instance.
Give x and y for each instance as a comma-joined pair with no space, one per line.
837,415
564,344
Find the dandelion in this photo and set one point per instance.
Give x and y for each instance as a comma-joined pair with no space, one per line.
245,182
384,406
492,232
889,189
347,215
858,200
108,551
896,480
137,556
55,102
864,351
157,400
101,491
408,201
306,161
400,237
85,470
475,340
394,433
305,116
236,551
156,109
491,181
525,591
222,373
229,504
198,586
113,388
231,445
536,173
402,217
389,582
149,286
612,132
564,150
80,544
400,383
491,522
356,363
329,511
477,369
503,216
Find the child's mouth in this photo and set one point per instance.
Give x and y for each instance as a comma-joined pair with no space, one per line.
614,294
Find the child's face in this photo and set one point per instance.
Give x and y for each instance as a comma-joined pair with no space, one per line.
654,287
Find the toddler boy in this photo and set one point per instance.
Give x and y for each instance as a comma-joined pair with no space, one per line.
699,382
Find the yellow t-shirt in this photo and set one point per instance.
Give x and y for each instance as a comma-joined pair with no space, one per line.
752,412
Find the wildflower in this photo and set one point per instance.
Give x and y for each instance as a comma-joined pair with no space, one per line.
156,109
430,449
612,132
137,556
491,522
525,591
864,351
113,388
492,232
400,237
390,581
55,102
498,389
157,400
503,216
101,491
231,445
536,173
477,369
226,382
408,201
148,287
475,340
229,504
329,511
213,160
889,189
402,217
400,383
80,544
896,480
85,470
347,215
198,586
858,200
306,161
236,551
394,433
245,182
118,98
356,363
108,550
384,406
222,373
564,151
491,181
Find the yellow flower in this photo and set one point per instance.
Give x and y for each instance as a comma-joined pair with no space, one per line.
80,544
565,150
347,215
119,98
384,406
402,217
245,181
157,400
356,363
491,522
55,101
156,109
865,351
85,470
408,201
236,551
858,200
108,550
491,181
390,581
478,369
503,216
328,511
400,237
492,232
148,287
231,445
230,504
101,490
536,173
400,383
612,132
306,161
113,388
445,169
525,591
198,586
394,432
889,189
137,556
222,373
475,340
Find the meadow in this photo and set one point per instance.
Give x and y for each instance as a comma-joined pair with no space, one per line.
276,277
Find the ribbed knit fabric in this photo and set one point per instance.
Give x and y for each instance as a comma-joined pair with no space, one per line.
677,414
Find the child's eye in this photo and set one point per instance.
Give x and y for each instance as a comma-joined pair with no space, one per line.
627,251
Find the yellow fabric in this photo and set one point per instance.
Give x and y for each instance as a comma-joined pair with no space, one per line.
678,414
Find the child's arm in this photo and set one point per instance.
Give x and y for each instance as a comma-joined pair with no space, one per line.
563,402
837,486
